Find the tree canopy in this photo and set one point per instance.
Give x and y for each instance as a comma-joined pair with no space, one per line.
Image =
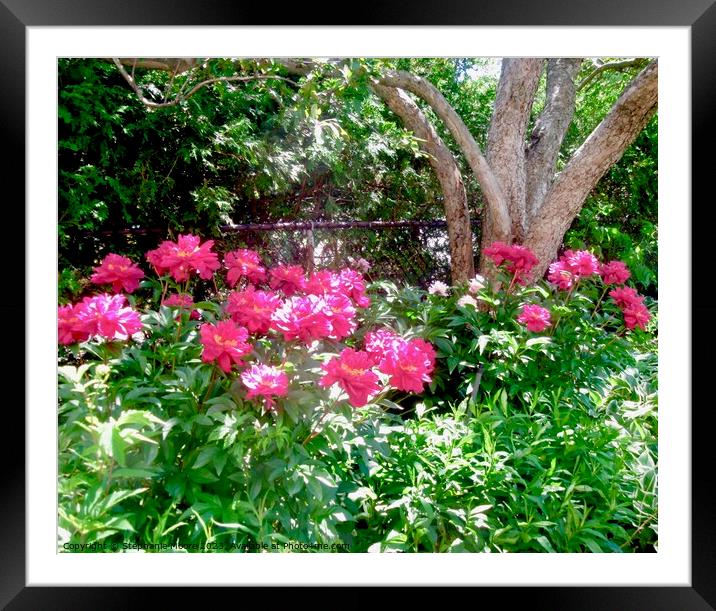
222,141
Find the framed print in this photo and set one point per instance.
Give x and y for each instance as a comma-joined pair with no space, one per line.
673,565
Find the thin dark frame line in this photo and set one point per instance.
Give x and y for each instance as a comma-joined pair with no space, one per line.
701,16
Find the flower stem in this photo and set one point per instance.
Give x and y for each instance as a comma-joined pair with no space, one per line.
212,381
314,432
165,286
604,292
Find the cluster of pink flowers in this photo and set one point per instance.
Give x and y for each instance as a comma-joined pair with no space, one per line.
185,256
226,343
408,363
320,306
565,273
518,260
571,266
632,306
102,315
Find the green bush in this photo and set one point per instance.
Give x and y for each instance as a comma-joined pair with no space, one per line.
522,441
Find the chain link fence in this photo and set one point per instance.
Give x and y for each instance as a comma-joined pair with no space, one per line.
406,252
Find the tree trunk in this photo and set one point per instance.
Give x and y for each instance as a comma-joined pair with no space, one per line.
462,265
549,130
497,214
506,138
604,147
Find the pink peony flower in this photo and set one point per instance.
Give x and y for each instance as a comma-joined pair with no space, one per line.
341,314
467,300
302,317
352,371
409,365
560,274
626,297
224,342
183,301
106,316
581,262
476,284
636,315
253,309
244,263
353,285
614,272
498,252
287,278
439,288
156,257
118,271
519,260
70,329
382,342
185,257
359,264
534,317
323,282
264,381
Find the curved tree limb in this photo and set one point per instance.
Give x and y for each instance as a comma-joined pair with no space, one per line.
622,65
181,97
604,146
499,217
506,138
166,64
549,130
441,159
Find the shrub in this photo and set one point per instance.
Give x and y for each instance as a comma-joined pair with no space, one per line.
232,422
294,412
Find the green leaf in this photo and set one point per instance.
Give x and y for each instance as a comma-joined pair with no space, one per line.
204,457
118,447
536,341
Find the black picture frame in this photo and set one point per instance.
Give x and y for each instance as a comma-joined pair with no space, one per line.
699,15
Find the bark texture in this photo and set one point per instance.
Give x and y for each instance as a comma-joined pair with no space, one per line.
506,138
443,163
604,147
549,130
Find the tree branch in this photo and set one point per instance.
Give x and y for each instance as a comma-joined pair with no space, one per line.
448,174
549,130
166,64
183,97
506,139
496,204
637,62
604,146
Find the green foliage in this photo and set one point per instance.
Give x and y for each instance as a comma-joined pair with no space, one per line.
523,442
620,217
526,442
